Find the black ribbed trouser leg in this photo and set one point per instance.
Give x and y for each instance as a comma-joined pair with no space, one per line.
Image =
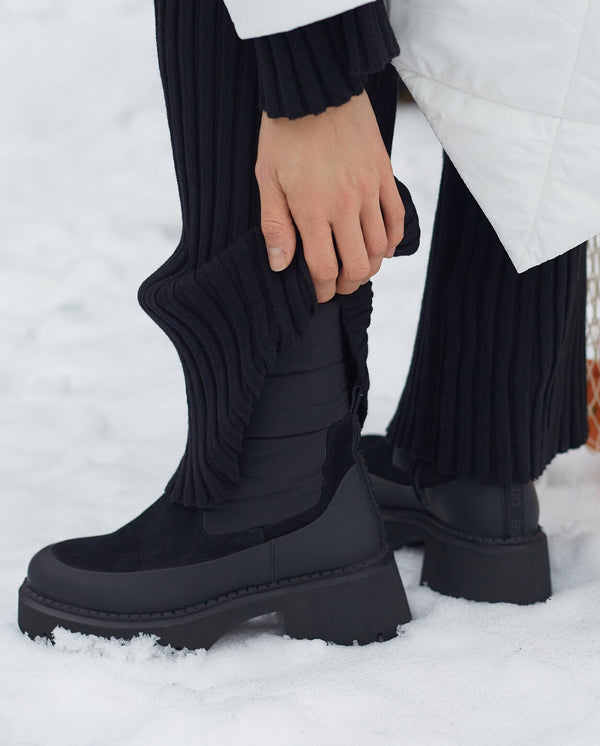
496,386
227,313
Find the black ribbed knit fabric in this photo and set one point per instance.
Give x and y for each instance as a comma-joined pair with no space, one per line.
497,382
226,312
307,69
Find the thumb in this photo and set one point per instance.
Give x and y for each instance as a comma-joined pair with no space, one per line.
277,225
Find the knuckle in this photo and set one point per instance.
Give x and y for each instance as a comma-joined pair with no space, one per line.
375,267
346,199
370,181
306,211
346,288
326,272
272,225
397,213
384,161
260,170
378,247
396,235
387,171
357,271
360,184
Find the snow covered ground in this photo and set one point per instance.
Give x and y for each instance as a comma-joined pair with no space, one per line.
93,423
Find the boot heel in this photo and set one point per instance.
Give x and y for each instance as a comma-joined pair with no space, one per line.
516,573
365,606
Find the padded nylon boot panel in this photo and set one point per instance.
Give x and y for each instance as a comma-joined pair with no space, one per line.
284,446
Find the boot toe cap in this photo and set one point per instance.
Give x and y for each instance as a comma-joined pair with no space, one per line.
108,592
55,579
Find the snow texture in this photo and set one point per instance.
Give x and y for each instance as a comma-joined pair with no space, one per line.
93,424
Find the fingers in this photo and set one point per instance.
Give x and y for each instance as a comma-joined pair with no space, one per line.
320,257
365,232
362,241
374,233
356,267
393,212
276,222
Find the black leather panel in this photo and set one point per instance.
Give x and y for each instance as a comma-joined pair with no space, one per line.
474,507
147,590
470,506
346,532
484,508
397,496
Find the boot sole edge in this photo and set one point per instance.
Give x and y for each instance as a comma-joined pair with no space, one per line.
362,603
490,570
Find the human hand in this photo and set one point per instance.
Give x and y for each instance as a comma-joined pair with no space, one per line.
329,172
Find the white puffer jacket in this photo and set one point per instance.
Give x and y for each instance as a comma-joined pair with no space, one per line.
512,90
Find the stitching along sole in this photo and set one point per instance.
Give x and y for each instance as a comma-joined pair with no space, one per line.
361,603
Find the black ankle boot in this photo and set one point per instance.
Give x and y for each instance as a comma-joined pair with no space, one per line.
482,539
301,535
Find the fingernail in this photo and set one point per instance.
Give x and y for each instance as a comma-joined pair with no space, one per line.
276,258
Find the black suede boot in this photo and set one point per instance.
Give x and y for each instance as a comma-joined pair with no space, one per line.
482,539
300,535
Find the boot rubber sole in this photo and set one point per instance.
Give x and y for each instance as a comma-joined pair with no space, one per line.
362,603
495,570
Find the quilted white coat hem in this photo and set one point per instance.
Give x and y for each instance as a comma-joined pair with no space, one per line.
260,17
512,92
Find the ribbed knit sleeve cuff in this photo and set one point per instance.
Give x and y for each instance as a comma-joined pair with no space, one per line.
307,69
